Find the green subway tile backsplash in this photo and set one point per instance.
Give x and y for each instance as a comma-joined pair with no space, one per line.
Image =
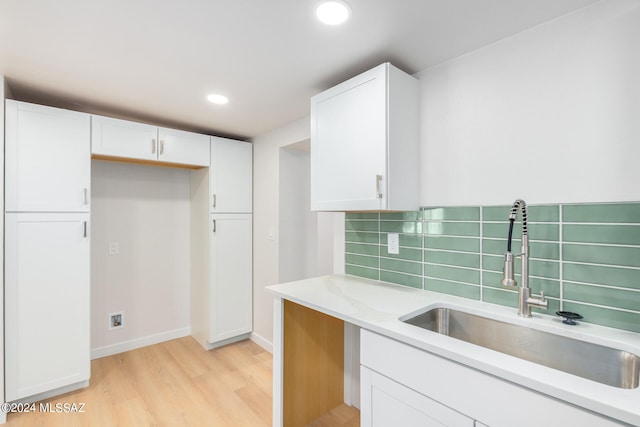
409,227
401,279
362,237
610,255
452,288
602,212
353,225
443,228
362,249
452,214
612,297
401,266
545,213
614,234
465,275
606,316
585,257
602,275
460,259
463,244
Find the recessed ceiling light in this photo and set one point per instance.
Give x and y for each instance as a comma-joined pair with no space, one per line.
217,99
332,12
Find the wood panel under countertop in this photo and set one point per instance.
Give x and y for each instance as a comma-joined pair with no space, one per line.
313,364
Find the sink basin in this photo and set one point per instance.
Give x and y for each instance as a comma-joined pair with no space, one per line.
595,362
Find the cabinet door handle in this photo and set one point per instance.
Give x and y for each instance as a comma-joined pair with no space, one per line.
161,147
214,225
214,200
379,186
153,146
84,229
85,196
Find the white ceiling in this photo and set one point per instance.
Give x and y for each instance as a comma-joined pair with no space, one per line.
156,60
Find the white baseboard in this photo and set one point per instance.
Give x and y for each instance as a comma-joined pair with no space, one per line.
121,347
262,342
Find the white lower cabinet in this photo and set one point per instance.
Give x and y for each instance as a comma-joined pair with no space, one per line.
404,385
231,289
388,403
46,302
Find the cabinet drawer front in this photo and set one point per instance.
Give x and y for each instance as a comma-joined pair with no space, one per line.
481,396
122,138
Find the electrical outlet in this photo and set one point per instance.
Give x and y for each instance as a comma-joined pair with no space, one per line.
393,243
116,320
114,248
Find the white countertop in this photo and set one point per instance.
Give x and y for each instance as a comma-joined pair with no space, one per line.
378,306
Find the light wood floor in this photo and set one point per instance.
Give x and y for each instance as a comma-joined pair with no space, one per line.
177,383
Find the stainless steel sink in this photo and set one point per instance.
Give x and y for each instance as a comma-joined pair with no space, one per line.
595,362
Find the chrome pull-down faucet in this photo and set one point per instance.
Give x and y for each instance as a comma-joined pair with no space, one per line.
525,298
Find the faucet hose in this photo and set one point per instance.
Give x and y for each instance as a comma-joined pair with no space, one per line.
518,204
511,221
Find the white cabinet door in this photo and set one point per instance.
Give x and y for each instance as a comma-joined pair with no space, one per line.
231,290
121,138
231,174
348,143
48,165
47,302
388,403
365,143
186,148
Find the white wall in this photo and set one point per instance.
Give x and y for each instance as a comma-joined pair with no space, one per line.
549,115
3,415
306,246
297,247
269,223
146,210
266,196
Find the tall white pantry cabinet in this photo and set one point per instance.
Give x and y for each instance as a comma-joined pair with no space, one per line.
48,154
48,164
221,245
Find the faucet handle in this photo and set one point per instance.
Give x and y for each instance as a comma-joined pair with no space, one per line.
542,298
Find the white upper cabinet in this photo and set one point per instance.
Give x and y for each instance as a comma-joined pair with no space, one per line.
47,155
365,142
187,148
122,138
231,175
138,141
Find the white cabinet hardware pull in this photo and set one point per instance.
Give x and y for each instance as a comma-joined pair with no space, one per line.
84,231
153,146
214,225
85,196
161,147
379,186
214,200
